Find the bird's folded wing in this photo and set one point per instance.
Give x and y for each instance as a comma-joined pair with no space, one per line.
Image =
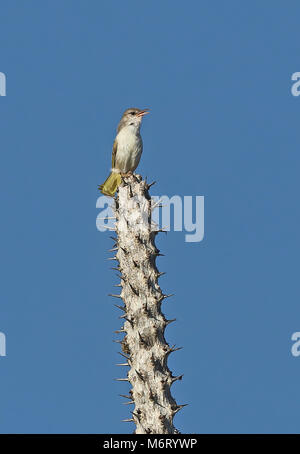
113,156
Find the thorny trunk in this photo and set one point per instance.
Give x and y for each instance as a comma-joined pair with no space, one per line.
144,345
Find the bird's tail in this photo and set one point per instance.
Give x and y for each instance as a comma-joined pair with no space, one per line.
111,184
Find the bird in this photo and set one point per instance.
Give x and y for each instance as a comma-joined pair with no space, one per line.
127,149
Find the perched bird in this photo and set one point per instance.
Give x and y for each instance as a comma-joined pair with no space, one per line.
127,149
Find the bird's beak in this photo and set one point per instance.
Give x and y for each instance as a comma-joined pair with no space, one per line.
142,113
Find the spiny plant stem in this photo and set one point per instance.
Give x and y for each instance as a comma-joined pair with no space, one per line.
144,346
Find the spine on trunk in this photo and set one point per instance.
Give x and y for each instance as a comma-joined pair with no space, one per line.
143,346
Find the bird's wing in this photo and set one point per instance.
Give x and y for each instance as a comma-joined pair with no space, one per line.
114,152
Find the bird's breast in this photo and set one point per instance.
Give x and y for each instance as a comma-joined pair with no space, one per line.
129,150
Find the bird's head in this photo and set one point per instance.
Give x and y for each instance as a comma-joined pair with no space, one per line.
132,117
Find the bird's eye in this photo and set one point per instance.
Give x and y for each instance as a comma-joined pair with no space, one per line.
132,113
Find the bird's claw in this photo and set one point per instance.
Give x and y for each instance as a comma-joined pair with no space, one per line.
127,174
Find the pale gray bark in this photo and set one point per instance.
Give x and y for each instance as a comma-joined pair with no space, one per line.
144,345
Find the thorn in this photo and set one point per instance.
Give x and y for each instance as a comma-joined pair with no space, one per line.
108,217
111,258
128,420
122,364
168,296
125,356
178,408
116,268
115,296
134,290
136,415
111,229
125,396
139,375
113,249
114,238
179,377
172,349
120,307
121,379
141,338
170,321
117,285
156,204
120,331
128,403
151,184
163,297
117,341
137,178
161,274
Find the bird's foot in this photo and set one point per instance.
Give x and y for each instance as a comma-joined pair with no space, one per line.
127,174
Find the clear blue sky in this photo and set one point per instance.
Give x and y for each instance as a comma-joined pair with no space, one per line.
223,124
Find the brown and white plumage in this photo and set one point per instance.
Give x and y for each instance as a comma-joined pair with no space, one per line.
127,149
